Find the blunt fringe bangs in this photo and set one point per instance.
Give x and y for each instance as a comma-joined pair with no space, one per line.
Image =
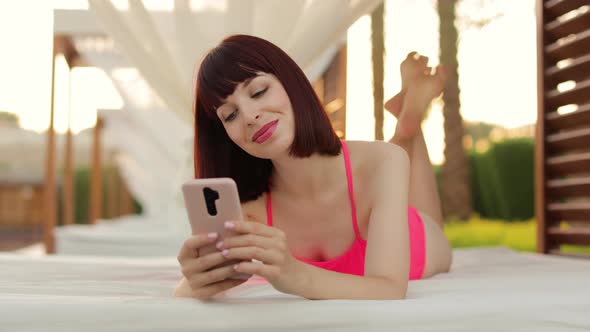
234,60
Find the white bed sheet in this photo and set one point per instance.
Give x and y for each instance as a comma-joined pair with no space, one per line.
488,289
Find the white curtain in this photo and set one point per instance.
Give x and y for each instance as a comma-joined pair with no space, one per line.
165,48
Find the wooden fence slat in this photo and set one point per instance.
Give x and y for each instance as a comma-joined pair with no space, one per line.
581,116
569,140
557,8
563,28
568,188
579,237
572,47
578,163
580,94
571,211
577,70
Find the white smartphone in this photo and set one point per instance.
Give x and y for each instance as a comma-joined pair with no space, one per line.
210,203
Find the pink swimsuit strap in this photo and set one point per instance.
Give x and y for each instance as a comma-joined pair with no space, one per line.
350,194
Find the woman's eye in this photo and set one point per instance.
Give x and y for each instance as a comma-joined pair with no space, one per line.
259,93
231,116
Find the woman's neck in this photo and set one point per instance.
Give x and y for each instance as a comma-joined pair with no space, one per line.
307,177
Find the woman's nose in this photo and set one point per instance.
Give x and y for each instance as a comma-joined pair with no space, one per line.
253,118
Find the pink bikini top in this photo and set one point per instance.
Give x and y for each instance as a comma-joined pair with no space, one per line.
353,260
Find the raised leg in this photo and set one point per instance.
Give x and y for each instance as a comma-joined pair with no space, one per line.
409,106
423,193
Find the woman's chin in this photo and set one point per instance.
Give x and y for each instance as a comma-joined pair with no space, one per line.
273,148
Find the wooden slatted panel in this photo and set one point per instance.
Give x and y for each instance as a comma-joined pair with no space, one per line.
556,121
567,141
563,28
567,188
562,152
577,70
571,47
555,8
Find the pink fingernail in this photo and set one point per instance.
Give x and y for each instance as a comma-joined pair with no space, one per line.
219,244
236,266
212,235
225,252
229,225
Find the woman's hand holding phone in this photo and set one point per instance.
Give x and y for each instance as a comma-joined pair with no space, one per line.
267,245
200,280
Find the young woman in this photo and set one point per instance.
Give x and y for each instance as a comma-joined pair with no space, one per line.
325,218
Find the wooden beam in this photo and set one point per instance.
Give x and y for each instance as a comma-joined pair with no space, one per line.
342,62
540,192
68,186
50,198
111,208
68,49
377,56
96,175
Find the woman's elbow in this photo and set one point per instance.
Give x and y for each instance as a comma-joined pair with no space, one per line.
393,289
396,293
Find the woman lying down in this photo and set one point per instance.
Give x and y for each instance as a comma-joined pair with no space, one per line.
325,218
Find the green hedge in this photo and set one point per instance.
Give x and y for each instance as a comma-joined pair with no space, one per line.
502,180
82,194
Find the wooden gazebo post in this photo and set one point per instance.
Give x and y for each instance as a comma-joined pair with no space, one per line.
50,200
96,175
69,181
63,45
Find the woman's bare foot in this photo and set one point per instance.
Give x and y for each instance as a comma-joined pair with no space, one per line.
410,68
420,92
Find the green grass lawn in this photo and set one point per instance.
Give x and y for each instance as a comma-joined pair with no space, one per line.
518,235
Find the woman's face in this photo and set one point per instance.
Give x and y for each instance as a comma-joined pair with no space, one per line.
258,117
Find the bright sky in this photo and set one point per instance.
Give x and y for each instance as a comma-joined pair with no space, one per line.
497,68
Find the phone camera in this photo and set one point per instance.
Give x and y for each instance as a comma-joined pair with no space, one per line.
210,197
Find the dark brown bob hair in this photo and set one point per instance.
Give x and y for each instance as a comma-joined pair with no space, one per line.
234,60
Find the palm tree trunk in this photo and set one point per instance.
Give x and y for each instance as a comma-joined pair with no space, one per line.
378,55
455,181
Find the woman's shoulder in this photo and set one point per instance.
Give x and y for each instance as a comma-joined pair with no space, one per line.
374,162
367,155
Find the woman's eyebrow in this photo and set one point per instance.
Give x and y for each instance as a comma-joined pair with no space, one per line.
246,82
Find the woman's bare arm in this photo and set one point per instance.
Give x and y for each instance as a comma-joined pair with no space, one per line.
387,256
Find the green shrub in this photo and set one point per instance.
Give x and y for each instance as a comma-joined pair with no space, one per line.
502,180
516,163
82,194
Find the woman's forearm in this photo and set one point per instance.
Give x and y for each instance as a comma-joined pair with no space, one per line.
320,284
